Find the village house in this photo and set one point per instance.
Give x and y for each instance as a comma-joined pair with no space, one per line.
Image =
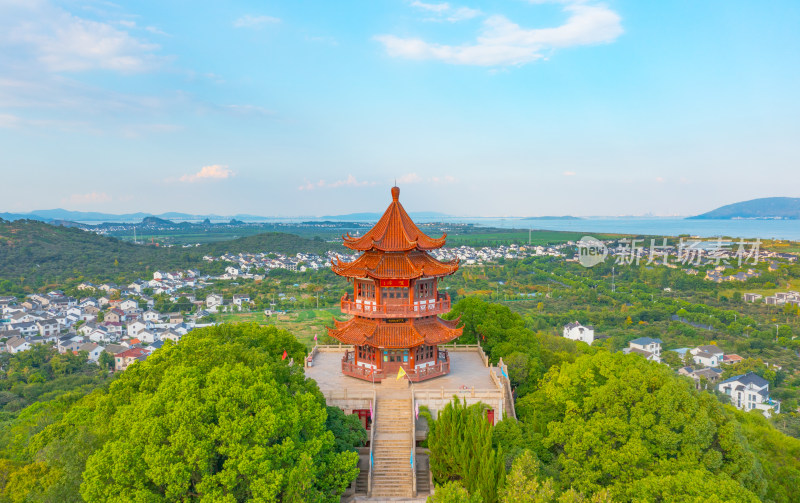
752,297
25,328
93,350
577,332
17,345
128,305
702,377
750,391
707,356
148,336
47,327
645,346
731,358
114,316
213,302
170,335
135,328
241,300
124,359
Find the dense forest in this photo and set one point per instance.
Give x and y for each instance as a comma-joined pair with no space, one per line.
219,417
601,426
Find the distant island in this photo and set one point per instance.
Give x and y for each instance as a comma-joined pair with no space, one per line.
766,208
553,217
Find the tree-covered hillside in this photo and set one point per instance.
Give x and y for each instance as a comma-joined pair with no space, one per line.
766,207
219,417
35,254
601,426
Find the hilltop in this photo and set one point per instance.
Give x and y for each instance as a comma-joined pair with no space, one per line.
787,208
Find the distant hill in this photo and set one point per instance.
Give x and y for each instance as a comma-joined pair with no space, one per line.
155,221
37,254
59,214
787,208
565,217
371,217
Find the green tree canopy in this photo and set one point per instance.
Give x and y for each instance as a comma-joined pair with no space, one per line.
219,417
613,421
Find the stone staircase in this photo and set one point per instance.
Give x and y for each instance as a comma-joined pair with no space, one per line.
422,467
391,475
363,475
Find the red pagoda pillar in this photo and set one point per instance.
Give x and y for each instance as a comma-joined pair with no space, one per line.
395,302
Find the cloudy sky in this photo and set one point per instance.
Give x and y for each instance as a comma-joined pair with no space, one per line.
509,107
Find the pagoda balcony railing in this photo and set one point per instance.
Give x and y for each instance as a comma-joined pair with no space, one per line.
440,368
350,368
372,309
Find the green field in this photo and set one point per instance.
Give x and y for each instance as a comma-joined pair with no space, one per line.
519,236
304,324
793,284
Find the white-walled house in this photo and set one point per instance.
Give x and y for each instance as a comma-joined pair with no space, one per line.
93,350
578,332
241,300
170,335
213,302
151,315
707,356
148,336
129,305
17,345
136,328
645,346
750,391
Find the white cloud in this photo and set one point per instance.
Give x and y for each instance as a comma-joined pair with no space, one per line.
213,172
62,42
431,7
446,12
251,21
501,42
90,198
11,121
660,179
569,173
462,14
350,181
409,178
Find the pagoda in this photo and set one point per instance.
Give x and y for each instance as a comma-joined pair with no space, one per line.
395,302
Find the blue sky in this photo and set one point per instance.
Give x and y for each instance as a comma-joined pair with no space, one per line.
476,108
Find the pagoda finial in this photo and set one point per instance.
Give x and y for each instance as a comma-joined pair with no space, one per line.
395,193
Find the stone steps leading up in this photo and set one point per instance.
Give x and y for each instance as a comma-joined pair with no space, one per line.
391,472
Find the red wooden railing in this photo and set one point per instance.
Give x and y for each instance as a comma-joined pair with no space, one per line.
441,367
373,310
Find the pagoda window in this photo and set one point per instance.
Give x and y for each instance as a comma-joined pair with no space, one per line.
425,353
366,353
394,293
424,290
365,290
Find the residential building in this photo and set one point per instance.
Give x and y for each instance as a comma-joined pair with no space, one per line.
578,332
707,356
645,346
124,359
748,392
